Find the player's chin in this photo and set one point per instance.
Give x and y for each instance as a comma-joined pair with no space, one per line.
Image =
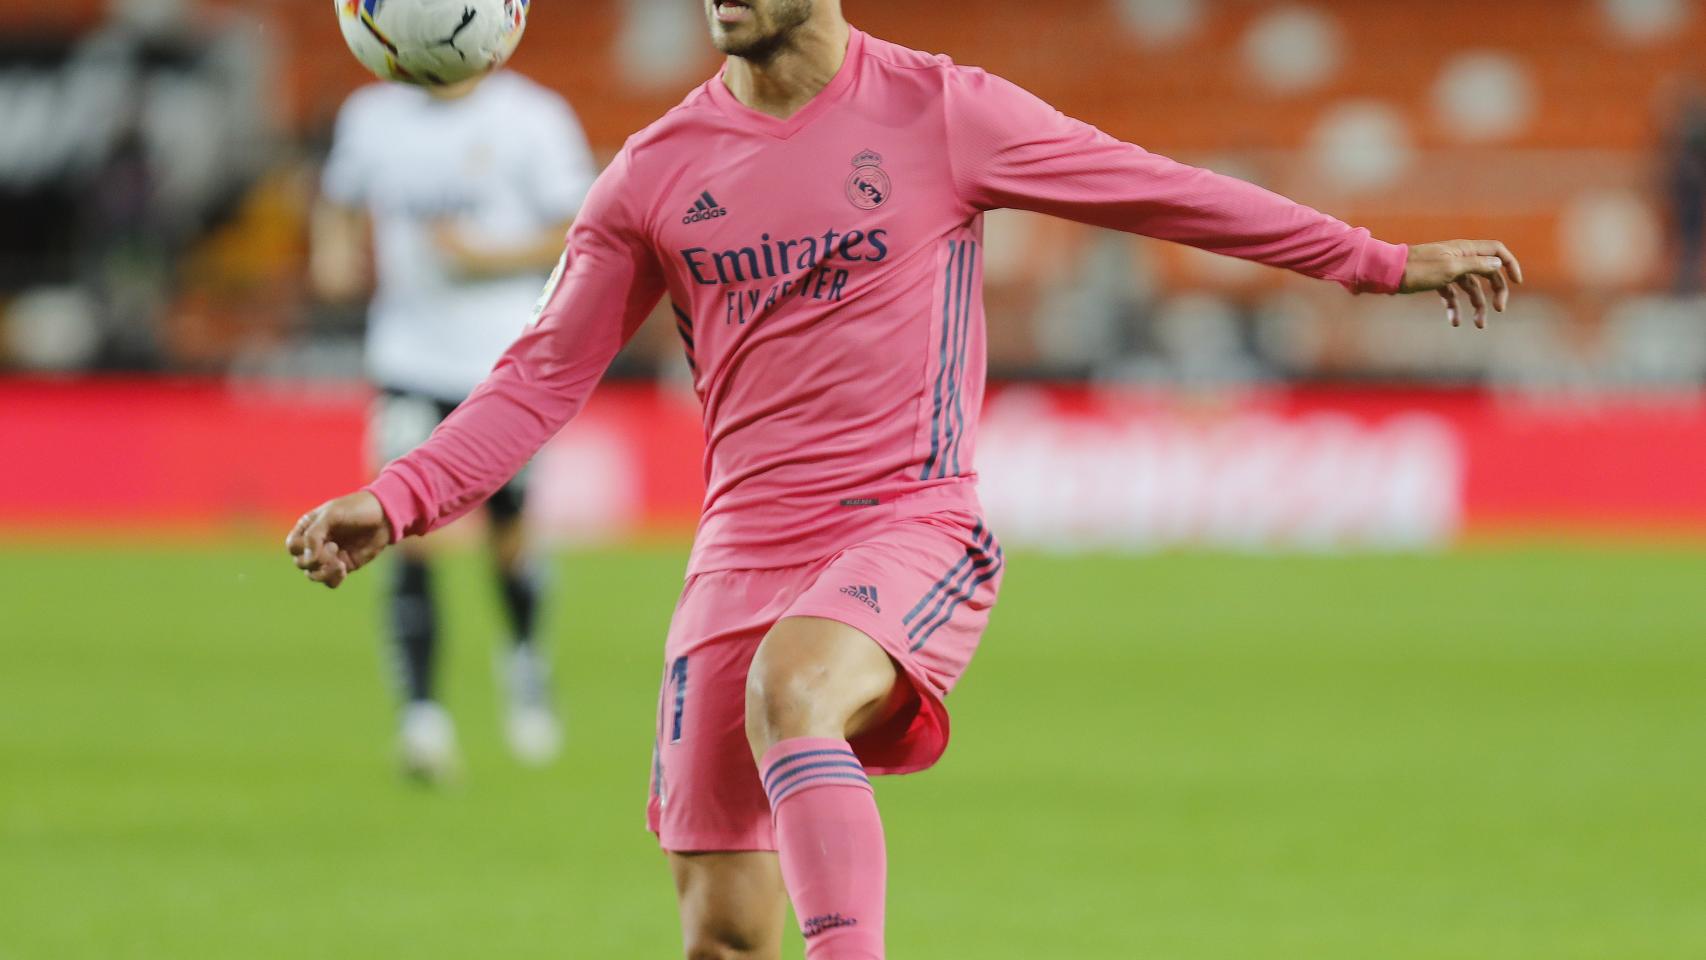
743,39
732,40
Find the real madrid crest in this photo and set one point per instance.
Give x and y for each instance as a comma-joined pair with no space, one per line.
869,186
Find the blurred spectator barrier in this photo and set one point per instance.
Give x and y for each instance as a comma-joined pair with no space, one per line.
1065,467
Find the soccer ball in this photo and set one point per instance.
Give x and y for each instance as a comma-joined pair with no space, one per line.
432,42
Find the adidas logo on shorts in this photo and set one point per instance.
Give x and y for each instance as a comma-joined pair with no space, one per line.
865,595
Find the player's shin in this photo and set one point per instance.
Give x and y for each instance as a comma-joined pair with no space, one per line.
414,629
519,589
830,841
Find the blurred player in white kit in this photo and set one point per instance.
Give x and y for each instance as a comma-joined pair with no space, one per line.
466,192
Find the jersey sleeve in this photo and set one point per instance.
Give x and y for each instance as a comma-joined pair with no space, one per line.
606,284
343,181
1010,149
562,169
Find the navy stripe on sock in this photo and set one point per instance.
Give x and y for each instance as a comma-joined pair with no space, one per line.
838,767
776,768
816,778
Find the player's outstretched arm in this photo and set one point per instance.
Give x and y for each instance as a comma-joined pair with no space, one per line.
1463,268
606,284
339,537
1009,149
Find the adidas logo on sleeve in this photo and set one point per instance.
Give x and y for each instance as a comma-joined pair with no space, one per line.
705,208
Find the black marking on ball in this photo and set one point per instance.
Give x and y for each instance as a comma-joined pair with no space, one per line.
468,15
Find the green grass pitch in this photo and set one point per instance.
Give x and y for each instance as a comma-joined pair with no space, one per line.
1497,753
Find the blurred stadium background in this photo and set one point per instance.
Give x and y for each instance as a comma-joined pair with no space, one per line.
1395,633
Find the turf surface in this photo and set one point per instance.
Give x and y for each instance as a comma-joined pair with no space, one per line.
1498,754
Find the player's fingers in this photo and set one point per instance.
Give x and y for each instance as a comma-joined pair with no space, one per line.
1477,265
314,535
329,572
1507,259
1448,293
1471,285
1513,266
293,541
314,560
1501,290
348,561
337,571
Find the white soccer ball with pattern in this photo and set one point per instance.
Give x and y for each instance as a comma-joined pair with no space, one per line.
432,42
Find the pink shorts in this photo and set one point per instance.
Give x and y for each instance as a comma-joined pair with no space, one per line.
921,587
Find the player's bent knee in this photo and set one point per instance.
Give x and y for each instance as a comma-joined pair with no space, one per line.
812,679
780,704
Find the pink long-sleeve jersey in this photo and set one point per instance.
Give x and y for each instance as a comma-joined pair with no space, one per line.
825,273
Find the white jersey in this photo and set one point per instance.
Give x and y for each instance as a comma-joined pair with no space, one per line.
497,165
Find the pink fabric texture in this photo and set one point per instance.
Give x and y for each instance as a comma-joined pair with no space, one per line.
825,275
830,840
923,589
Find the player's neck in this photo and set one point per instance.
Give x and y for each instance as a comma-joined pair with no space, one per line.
789,78
454,91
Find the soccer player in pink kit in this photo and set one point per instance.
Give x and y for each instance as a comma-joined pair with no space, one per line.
814,215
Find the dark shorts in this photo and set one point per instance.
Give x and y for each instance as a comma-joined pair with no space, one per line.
402,420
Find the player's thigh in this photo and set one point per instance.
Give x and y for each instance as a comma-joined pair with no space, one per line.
923,589
705,791
815,677
733,905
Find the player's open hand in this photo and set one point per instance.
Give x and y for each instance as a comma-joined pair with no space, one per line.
1463,268
339,537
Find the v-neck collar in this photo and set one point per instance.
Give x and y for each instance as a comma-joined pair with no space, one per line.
825,98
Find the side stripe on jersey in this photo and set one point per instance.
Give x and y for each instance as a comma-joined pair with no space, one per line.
957,586
954,303
957,419
684,326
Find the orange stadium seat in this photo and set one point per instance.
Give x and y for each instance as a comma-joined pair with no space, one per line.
1592,94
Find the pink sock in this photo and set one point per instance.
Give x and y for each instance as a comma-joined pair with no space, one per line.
831,843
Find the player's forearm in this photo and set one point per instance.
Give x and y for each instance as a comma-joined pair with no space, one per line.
1122,187
1229,216
537,387
483,260
476,451
337,262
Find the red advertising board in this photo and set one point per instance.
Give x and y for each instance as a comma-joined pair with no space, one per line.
1303,468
